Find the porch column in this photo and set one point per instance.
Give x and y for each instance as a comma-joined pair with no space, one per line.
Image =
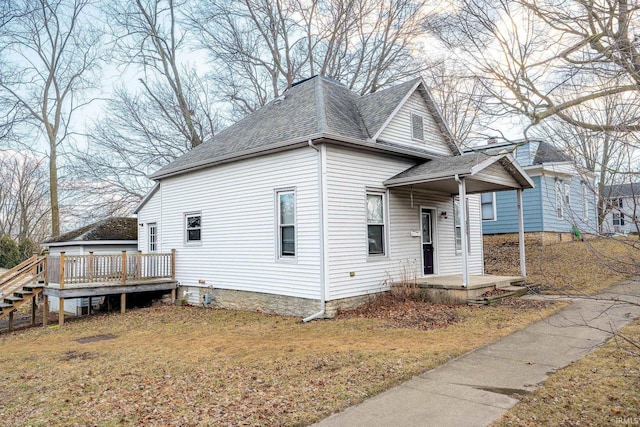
523,262
462,193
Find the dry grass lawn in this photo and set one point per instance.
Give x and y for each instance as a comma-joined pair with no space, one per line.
189,366
602,389
575,268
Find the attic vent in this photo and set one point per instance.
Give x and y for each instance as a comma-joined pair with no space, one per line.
417,127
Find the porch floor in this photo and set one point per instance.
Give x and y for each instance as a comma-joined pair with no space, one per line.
448,289
454,281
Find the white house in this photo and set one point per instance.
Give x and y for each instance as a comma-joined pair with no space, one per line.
106,237
622,208
322,198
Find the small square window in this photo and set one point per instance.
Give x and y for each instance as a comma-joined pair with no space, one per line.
193,228
417,127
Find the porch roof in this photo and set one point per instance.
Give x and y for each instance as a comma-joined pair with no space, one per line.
482,173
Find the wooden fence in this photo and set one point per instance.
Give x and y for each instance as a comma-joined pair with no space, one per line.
116,269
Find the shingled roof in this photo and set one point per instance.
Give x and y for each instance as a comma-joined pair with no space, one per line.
117,228
622,190
547,153
318,107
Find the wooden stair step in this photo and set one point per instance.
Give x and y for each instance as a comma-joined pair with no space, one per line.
23,293
33,287
4,305
13,298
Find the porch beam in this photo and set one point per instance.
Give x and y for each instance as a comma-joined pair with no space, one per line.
462,194
523,262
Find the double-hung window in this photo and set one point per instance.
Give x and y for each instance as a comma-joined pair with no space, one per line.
559,200
376,223
618,219
567,194
488,203
286,223
193,227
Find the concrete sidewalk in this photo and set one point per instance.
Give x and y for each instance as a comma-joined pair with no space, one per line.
477,388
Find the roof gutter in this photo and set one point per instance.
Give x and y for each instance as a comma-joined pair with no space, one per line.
322,197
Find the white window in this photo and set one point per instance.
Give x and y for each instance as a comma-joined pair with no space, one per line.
458,225
417,127
618,219
559,197
286,223
375,224
488,203
567,194
153,237
193,227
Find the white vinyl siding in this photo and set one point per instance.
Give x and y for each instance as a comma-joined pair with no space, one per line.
350,174
238,246
400,129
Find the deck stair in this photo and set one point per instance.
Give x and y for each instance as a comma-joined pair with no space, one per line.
21,285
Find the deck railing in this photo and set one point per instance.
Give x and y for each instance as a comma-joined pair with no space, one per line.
116,269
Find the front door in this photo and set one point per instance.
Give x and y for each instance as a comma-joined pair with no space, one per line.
427,240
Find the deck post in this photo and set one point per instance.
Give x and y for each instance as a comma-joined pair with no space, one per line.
124,267
45,311
34,307
11,321
61,278
462,196
61,311
173,265
90,305
90,266
123,303
523,261
139,265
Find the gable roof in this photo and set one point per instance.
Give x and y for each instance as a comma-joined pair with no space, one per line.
547,153
110,229
622,190
316,108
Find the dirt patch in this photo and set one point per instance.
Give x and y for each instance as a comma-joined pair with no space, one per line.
422,315
96,338
76,355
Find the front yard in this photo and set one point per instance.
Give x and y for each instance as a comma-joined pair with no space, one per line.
193,366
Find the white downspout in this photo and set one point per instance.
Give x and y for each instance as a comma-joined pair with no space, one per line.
462,194
322,173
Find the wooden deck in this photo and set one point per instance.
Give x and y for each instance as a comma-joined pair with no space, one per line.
88,276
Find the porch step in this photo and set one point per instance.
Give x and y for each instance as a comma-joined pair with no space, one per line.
511,291
22,293
13,299
4,305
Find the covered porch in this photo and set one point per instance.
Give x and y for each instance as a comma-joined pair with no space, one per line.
463,175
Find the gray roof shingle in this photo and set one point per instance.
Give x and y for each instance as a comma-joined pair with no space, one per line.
117,228
313,108
622,190
547,153
445,166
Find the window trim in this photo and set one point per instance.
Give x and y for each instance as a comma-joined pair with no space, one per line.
279,226
456,199
421,116
187,241
559,200
493,204
152,244
385,223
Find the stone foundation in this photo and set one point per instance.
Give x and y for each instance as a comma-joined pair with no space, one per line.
542,238
267,303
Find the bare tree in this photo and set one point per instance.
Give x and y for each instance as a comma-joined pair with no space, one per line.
260,47
23,196
544,58
51,49
150,36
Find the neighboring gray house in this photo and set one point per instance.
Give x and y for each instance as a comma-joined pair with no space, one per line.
563,196
109,236
321,198
622,208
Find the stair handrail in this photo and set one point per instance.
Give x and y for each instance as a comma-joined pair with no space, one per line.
19,272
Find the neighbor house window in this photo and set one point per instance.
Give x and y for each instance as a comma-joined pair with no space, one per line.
458,224
417,127
567,194
618,219
153,237
193,228
619,203
488,202
286,224
559,197
375,224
